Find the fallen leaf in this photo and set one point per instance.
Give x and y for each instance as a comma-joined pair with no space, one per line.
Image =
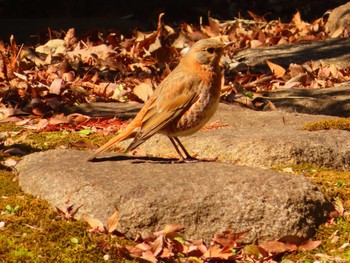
95,224
229,238
171,229
58,119
9,162
70,38
309,245
78,118
38,126
197,248
55,87
166,253
7,112
157,245
55,46
112,221
277,70
278,247
22,122
148,257
143,246
215,252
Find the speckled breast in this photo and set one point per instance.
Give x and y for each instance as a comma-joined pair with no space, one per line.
199,113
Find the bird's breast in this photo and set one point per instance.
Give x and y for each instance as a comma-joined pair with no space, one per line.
199,113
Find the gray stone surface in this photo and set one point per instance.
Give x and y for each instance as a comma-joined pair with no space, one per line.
263,139
329,51
333,101
207,197
255,138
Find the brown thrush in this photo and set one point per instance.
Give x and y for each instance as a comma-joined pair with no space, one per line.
183,102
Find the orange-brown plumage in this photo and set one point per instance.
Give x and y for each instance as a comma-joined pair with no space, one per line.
183,102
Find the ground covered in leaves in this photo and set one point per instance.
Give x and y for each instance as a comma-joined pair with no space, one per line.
37,83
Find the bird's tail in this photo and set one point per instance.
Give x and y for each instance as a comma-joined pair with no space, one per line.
127,133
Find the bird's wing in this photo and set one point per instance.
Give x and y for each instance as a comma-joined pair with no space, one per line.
171,100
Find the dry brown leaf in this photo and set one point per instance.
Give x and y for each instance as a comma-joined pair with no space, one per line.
309,245
55,87
295,70
229,238
68,76
148,257
58,119
38,126
112,221
277,70
69,211
172,228
54,46
214,26
334,71
157,245
255,43
215,252
7,112
9,162
166,253
78,118
143,246
278,247
70,38
95,224
256,17
196,249
296,81
100,51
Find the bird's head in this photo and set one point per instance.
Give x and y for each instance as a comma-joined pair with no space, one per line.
207,51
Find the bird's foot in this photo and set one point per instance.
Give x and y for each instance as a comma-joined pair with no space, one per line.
189,159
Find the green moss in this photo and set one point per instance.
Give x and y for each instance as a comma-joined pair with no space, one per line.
36,233
43,140
336,187
334,184
9,126
339,124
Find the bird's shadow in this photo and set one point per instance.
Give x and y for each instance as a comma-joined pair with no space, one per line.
134,159
144,159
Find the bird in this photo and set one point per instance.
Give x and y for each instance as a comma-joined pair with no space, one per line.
182,103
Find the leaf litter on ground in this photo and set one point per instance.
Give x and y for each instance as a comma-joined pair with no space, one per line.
65,72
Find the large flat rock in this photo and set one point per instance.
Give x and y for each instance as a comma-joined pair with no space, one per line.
253,138
206,197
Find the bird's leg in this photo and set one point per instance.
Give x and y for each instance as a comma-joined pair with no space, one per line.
176,143
176,148
188,156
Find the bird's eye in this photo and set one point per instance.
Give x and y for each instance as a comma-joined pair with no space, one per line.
211,50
